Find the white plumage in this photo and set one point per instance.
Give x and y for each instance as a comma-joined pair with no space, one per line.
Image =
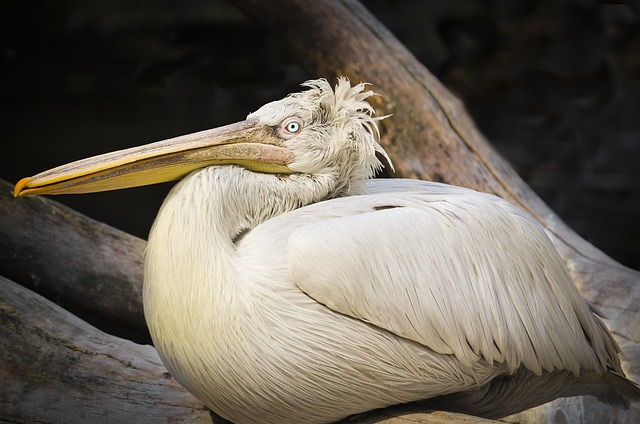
308,293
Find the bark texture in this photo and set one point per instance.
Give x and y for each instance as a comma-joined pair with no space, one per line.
56,368
88,267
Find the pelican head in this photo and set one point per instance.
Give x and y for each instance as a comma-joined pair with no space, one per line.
321,131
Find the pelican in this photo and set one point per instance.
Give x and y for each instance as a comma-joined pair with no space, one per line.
283,284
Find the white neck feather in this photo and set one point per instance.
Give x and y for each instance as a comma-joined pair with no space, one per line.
203,215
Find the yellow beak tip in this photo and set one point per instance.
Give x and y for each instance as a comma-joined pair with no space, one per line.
17,191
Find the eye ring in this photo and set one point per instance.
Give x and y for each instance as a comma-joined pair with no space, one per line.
292,126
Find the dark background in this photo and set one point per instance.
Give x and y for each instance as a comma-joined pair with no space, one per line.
554,85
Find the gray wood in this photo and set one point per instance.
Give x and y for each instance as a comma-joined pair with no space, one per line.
55,368
87,266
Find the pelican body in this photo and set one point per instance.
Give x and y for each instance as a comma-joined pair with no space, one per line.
283,284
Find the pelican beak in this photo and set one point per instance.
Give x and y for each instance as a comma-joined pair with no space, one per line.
247,143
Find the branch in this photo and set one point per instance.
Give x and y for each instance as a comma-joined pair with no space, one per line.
55,367
87,266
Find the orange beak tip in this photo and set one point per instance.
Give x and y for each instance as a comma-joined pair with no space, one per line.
20,186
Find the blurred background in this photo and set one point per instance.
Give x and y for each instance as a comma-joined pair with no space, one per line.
554,85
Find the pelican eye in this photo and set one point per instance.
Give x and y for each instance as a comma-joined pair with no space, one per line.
291,126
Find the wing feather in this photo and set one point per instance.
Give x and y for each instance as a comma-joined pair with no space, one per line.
467,275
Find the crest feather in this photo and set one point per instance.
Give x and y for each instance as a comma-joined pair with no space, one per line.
348,103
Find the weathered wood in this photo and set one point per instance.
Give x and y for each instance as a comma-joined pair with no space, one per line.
411,414
55,368
430,136
86,266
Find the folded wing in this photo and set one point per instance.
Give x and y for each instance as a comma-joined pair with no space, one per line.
460,272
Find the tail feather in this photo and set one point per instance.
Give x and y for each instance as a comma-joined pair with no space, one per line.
508,395
622,390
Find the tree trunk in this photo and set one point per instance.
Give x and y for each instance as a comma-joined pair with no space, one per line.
52,363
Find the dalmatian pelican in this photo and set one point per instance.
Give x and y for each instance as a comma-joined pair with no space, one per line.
283,284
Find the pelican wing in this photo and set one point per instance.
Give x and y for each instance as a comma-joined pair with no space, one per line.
457,271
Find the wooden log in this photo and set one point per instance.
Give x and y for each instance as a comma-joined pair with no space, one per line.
88,267
56,368
431,136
